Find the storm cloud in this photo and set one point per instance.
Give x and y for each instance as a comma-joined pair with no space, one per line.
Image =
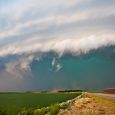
32,27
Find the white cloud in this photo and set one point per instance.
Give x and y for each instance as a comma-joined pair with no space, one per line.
56,65
56,19
61,45
53,17
19,68
53,61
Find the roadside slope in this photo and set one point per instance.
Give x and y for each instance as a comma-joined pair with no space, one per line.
90,104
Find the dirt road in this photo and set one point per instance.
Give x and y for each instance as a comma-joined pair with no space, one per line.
108,96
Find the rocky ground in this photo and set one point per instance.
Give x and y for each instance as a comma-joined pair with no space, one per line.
90,104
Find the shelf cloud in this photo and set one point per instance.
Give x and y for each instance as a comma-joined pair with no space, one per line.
32,27
60,45
56,26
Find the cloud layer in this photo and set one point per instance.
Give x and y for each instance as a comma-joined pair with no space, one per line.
33,26
43,26
60,45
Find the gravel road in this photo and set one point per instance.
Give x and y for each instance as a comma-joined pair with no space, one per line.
108,96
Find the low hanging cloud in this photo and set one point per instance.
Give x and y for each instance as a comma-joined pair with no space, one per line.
60,45
56,65
19,68
73,26
22,66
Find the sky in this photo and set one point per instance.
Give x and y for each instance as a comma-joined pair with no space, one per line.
37,36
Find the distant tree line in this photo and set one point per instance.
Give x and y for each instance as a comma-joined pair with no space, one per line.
69,91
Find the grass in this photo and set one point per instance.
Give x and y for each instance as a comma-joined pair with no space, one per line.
13,103
51,110
91,104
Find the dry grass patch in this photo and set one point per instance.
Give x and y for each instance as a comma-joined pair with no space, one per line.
90,104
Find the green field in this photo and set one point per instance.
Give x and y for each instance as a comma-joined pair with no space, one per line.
15,102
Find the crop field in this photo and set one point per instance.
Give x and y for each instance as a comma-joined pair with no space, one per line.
15,102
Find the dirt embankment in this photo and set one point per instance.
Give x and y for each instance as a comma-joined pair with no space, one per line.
90,104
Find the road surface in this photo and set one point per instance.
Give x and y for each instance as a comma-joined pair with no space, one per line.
108,96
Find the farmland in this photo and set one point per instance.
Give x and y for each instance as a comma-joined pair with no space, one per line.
12,103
